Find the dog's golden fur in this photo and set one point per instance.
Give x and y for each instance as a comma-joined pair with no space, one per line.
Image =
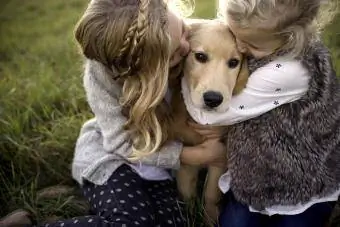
213,39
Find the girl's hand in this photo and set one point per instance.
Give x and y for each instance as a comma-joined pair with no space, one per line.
207,131
211,152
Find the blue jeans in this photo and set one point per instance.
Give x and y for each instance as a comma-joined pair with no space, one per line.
236,214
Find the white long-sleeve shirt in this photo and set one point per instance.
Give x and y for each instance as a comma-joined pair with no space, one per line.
270,86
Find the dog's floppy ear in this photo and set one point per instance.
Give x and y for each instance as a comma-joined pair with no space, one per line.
242,77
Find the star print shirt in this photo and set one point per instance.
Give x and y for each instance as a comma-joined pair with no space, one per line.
278,82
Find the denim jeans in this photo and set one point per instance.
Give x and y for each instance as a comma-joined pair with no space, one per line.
236,214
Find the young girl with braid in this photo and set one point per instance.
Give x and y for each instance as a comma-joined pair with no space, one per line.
283,137
132,49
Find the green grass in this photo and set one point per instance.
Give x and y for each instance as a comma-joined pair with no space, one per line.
42,103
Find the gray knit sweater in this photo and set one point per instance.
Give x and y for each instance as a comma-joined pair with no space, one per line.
103,145
291,153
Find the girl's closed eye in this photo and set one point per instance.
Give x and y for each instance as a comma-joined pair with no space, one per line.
254,47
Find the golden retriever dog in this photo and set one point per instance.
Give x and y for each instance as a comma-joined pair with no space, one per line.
214,71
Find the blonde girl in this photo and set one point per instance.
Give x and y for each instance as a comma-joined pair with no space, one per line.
284,134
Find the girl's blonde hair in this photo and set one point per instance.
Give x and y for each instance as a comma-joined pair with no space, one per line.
295,21
131,38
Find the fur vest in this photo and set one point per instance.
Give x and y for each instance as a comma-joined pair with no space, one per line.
291,153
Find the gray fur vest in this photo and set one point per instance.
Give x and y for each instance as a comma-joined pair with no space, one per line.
291,153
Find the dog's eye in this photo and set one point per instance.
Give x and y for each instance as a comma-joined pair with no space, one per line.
201,57
233,63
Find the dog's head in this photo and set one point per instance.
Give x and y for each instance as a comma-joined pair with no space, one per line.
214,69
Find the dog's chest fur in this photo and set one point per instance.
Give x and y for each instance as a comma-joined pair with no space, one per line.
291,153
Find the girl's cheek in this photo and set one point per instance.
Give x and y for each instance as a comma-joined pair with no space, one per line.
175,59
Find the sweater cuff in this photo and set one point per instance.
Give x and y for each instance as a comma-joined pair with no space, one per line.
169,155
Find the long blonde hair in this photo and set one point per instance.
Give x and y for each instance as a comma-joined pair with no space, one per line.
297,22
131,38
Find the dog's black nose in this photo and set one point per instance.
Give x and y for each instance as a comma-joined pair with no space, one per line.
212,99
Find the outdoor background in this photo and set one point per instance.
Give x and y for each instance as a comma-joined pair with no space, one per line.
42,103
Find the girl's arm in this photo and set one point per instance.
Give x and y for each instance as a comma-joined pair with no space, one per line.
103,95
275,84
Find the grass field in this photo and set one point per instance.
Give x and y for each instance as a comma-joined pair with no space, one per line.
42,103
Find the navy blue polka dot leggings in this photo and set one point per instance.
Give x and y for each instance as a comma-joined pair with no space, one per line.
128,200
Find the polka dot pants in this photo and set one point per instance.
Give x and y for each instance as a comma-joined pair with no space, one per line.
128,200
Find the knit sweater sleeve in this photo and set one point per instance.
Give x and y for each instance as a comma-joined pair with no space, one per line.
103,97
270,86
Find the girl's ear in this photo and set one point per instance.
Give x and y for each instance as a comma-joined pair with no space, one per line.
242,77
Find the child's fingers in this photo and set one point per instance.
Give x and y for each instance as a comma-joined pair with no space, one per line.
207,131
